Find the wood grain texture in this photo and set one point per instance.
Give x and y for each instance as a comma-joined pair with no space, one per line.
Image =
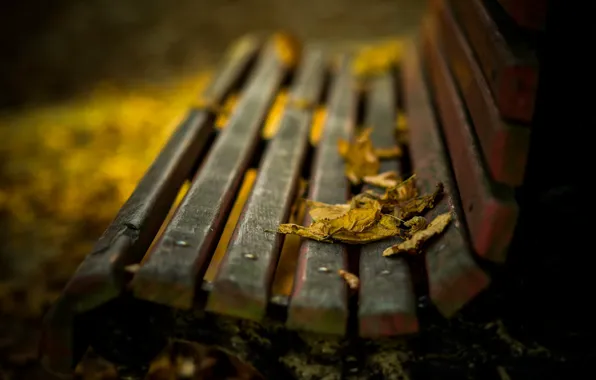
453,276
491,212
387,304
509,66
180,258
503,144
101,276
236,63
530,14
242,285
319,298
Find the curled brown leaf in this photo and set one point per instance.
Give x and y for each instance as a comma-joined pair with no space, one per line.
413,244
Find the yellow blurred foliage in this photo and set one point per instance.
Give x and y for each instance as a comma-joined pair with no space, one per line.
66,169
374,59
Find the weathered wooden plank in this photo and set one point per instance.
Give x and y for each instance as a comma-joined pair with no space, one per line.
319,300
237,61
169,274
530,14
101,276
491,210
509,66
504,145
387,304
242,285
453,276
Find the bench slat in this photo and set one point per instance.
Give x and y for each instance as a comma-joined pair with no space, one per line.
387,304
529,14
491,211
510,69
319,298
170,273
235,64
101,276
504,145
453,276
242,285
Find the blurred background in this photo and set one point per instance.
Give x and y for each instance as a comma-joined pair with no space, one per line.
89,92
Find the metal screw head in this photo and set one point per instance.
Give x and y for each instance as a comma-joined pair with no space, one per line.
181,243
324,270
250,256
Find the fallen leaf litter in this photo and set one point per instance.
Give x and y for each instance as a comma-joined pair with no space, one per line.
371,216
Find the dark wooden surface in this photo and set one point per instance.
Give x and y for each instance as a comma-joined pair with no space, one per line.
319,300
453,276
101,277
170,273
242,285
236,63
490,210
387,304
509,64
505,145
529,14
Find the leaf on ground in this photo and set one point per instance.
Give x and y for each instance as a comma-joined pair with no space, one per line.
417,206
350,278
385,180
413,244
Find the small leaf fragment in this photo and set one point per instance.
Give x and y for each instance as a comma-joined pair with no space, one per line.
417,206
314,231
388,153
385,180
416,224
351,279
413,244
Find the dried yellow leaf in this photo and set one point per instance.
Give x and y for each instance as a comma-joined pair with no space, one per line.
287,48
388,153
344,217
386,180
360,157
350,278
314,232
413,244
401,192
417,206
387,226
377,59
415,224
320,210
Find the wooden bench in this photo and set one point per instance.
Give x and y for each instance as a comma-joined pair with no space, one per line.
164,267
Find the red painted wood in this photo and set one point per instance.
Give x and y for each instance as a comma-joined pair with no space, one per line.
504,145
530,14
454,278
509,67
490,210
